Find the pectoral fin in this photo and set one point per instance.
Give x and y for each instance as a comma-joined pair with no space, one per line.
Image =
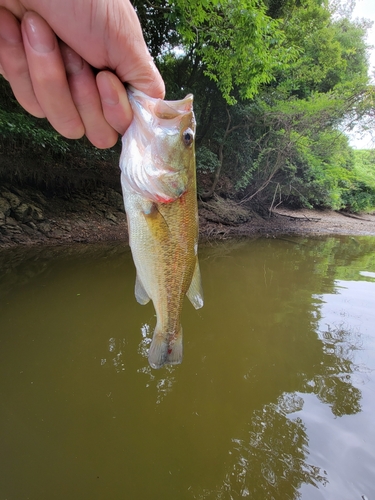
195,292
156,223
140,293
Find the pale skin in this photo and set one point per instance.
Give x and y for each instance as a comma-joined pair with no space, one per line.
48,49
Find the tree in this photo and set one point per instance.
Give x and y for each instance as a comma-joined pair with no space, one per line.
285,141
233,42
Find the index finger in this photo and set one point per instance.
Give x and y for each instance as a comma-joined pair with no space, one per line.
115,103
48,76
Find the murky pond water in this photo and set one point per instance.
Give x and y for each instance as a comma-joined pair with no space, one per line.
275,398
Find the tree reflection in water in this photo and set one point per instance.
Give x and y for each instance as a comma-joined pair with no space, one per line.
271,460
333,381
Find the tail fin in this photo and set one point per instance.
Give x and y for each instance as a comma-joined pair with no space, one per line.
165,349
175,349
157,354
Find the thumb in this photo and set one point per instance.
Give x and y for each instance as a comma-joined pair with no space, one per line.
142,73
129,55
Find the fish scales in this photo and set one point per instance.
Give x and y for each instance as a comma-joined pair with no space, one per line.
159,186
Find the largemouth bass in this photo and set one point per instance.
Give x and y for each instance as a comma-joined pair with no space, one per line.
159,187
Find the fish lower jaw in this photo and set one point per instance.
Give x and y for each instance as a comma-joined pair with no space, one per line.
165,350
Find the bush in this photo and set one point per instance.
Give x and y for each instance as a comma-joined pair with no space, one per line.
26,132
207,161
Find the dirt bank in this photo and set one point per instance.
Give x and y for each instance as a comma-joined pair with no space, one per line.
302,221
28,217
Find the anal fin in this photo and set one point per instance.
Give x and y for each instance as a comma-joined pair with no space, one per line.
140,293
195,292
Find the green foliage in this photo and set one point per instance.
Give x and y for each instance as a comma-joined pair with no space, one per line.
33,153
291,151
284,145
364,165
330,52
232,42
361,195
20,128
32,135
207,161
239,45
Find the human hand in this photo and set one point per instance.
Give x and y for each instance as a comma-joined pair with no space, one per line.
52,77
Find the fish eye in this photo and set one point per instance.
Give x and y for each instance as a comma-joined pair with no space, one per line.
188,136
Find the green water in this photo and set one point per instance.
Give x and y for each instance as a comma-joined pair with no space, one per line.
274,400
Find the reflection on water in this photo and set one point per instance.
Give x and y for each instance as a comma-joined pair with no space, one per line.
274,398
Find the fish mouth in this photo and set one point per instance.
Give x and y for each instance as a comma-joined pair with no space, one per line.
168,110
164,110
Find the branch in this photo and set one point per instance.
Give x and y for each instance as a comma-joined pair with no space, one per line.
310,219
156,7
353,216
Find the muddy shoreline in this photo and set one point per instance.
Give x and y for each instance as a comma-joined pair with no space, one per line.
30,218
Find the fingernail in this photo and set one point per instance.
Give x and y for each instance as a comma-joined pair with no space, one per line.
39,34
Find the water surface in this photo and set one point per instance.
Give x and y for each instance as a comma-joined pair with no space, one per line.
274,399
